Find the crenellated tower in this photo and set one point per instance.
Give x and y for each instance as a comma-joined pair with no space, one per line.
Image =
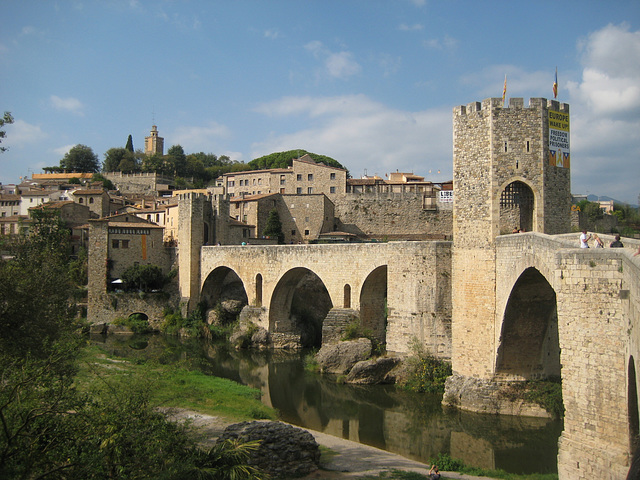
511,170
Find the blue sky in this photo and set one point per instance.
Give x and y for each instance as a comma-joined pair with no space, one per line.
371,83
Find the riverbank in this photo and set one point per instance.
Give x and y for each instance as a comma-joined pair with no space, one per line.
344,460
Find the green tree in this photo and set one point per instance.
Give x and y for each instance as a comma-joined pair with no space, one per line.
177,160
106,183
129,145
285,159
143,277
80,159
274,226
6,119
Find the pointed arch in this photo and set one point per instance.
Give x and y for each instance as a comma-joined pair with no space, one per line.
373,303
517,206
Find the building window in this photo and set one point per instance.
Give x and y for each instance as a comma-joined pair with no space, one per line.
306,219
332,189
125,243
299,177
80,200
299,190
281,179
293,233
332,176
306,232
90,199
115,243
309,190
310,177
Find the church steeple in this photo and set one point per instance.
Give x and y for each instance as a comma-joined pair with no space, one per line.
153,143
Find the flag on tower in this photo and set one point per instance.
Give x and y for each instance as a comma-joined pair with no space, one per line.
555,85
504,90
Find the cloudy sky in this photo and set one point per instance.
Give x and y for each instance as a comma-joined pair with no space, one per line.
371,83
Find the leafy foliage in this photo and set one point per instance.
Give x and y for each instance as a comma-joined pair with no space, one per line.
273,228
285,159
193,324
6,119
80,159
427,374
138,323
144,278
546,393
50,428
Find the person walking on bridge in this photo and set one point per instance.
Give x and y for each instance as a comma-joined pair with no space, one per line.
584,239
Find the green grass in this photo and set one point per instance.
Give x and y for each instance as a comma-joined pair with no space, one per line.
175,386
493,474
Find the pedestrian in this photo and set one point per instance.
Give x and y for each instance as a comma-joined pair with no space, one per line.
616,243
584,239
598,243
434,473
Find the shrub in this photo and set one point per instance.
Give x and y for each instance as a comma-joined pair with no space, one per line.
427,374
547,393
138,323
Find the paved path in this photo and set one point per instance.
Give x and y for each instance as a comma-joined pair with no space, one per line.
350,459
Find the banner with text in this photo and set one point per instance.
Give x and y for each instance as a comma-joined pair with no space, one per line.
559,139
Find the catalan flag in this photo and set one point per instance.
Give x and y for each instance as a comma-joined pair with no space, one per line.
555,85
504,90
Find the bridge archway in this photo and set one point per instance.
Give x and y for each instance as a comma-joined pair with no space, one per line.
223,284
517,202
299,304
373,303
529,344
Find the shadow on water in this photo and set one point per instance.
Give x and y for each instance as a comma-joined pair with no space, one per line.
412,425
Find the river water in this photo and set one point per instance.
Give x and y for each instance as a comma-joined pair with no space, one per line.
409,424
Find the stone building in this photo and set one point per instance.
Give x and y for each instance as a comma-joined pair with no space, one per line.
304,177
9,205
98,201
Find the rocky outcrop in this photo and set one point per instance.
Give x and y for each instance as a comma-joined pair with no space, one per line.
285,451
373,371
339,358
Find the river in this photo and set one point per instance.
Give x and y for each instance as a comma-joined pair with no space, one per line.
409,424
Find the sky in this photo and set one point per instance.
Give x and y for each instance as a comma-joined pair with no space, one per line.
370,83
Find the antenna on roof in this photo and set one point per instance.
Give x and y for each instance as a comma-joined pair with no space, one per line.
153,115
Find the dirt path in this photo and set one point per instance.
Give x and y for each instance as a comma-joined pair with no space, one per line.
349,459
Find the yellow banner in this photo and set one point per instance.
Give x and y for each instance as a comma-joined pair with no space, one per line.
144,247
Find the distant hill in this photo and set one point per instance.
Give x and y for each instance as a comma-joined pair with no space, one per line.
595,198
285,159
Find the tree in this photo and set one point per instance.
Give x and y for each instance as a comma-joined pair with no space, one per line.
112,159
144,278
129,145
80,159
7,119
178,160
285,159
274,226
106,183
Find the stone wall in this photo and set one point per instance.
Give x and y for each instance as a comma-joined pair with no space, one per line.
145,183
380,215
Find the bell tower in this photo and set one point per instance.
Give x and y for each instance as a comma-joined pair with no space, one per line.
153,143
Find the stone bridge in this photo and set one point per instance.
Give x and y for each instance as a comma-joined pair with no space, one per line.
398,290
557,311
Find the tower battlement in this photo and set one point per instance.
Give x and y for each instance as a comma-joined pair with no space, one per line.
488,104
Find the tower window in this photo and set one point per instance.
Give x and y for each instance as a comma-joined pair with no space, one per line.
528,146
506,145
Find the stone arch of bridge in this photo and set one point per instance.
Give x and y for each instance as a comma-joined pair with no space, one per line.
516,202
223,283
528,347
299,303
373,303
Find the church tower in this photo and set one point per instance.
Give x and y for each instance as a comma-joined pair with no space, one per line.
153,143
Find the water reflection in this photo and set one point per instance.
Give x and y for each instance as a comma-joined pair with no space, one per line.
412,425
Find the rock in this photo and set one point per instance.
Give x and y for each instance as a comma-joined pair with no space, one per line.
98,328
119,330
233,307
261,338
339,358
373,371
285,451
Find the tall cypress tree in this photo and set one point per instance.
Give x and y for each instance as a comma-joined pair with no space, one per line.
129,144
274,226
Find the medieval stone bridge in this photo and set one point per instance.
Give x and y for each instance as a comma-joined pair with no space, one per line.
558,311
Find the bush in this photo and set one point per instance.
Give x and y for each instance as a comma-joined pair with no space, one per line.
138,323
546,393
194,324
144,278
354,330
427,374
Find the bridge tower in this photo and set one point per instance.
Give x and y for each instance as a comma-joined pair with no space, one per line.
510,170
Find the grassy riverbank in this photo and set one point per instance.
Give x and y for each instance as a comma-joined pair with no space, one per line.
172,386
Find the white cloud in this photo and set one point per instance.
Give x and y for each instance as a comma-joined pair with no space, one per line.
272,34
605,115
445,43
69,104
410,28
365,135
200,138
62,151
337,64
21,133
